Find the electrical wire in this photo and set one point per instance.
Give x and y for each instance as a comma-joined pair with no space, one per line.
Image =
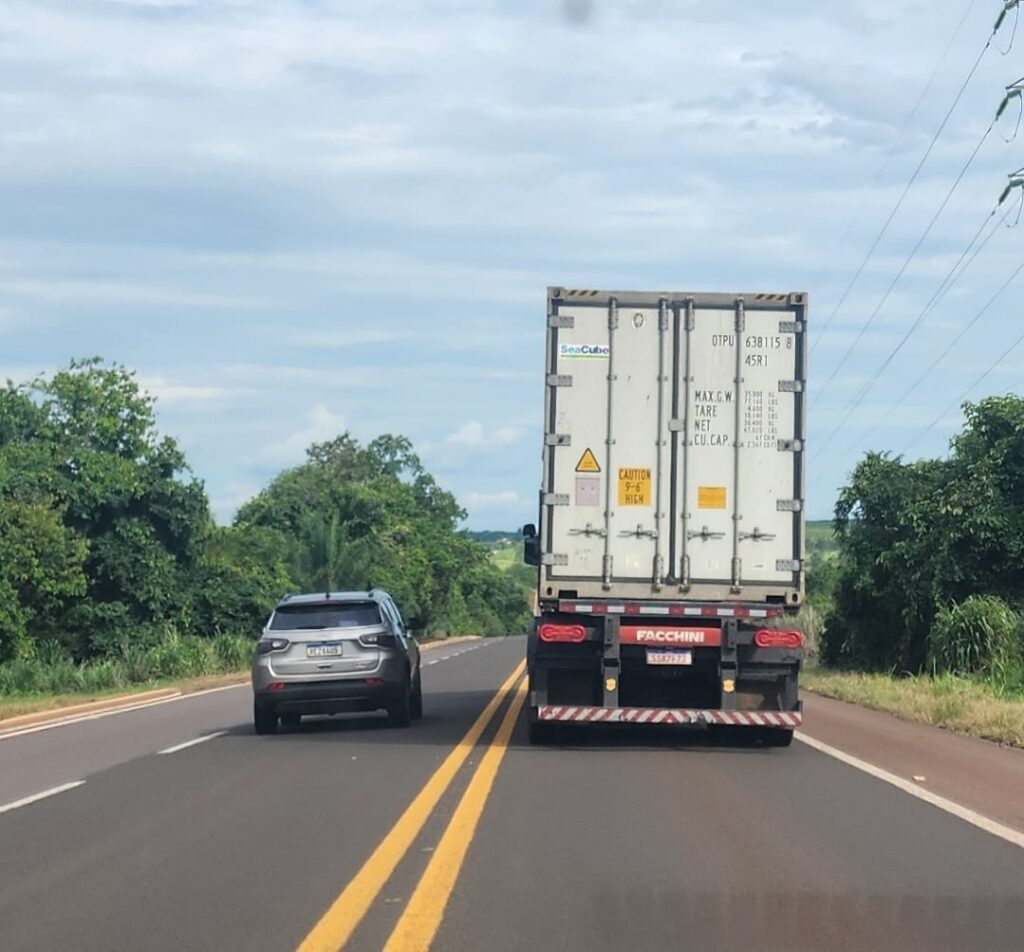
913,178
1006,353
885,163
948,283
892,284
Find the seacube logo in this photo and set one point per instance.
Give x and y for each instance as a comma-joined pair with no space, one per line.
584,351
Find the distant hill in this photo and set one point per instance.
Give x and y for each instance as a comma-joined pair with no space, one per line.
491,536
820,537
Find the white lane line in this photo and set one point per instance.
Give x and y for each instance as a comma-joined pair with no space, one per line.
428,663
964,813
53,791
192,743
78,718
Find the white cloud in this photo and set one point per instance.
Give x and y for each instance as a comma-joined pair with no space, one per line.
474,435
322,425
270,206
167,391
236,494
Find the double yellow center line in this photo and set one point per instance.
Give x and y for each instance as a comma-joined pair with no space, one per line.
420,921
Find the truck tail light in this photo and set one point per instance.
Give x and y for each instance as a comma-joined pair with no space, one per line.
773,638
573,634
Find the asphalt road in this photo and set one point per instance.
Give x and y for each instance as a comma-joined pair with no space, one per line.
617,840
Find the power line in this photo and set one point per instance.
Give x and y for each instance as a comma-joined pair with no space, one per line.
892,284
1006,353
947,284
913,177
888,158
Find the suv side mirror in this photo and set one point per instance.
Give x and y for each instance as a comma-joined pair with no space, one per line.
531,545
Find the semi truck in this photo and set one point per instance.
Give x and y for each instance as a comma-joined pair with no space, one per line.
670,539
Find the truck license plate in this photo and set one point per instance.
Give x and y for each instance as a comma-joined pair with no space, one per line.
669,656
323,651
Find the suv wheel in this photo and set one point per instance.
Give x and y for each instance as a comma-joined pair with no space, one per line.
264,720
416,703
400,709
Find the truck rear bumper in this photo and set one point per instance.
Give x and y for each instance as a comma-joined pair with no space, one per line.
694,717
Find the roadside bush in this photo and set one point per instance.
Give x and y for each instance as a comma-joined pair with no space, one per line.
980,635
232,652
181,656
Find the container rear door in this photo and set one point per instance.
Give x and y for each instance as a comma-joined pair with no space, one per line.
740,481
610,492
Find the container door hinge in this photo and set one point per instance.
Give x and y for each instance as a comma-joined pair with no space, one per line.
555,499
791,386
558,439
791,327
566,321
789,505
787,565
559,380
791,446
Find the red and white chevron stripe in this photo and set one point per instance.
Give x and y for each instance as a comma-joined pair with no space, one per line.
668,715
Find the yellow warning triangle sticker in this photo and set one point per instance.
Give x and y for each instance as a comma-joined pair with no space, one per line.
588,463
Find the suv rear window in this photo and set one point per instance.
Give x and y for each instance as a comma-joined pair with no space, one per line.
343,615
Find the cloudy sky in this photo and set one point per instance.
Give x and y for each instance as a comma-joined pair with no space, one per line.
296,217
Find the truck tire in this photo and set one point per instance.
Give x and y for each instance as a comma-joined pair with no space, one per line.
777,736
264,720
540,733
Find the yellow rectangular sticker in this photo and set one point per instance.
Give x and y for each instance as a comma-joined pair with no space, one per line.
634,487
711,497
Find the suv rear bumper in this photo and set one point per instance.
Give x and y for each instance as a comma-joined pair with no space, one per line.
327,697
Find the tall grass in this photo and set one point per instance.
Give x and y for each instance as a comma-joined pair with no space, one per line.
53,671
980,635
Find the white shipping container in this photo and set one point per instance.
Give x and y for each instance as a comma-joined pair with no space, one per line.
674,447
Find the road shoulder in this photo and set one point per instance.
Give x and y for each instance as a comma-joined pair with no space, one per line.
977,774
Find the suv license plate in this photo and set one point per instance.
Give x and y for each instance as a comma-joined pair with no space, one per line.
669,656
323,651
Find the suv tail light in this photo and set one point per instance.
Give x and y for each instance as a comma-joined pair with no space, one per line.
773,638
266,645
565,633
378,641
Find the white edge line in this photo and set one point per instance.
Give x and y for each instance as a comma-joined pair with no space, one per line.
77,718
964,813
192,743
53,791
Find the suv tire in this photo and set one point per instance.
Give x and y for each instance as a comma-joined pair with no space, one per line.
416,702
400,709
264,720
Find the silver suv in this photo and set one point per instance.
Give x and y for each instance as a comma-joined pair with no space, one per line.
334,653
